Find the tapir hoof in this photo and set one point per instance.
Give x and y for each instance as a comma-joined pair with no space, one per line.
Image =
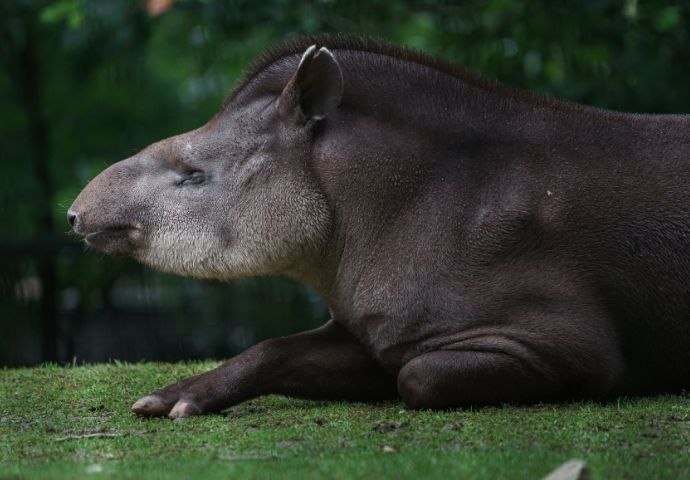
151,405
155,406
184,408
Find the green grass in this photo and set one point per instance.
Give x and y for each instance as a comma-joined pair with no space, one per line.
60,422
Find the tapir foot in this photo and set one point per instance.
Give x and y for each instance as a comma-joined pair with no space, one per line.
155,406
150,405
176,401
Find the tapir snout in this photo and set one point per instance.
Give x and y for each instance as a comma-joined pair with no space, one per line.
107,212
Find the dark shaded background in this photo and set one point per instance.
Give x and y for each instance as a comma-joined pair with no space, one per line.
88,82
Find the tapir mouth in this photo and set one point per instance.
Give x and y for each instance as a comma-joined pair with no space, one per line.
110,230
118,239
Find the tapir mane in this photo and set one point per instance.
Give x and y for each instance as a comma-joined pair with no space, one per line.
381,51
353,43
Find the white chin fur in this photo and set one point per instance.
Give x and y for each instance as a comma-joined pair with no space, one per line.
201,255
267,240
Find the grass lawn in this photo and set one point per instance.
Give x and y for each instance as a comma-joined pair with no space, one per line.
58,422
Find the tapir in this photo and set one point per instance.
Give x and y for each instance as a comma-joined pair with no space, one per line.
475,244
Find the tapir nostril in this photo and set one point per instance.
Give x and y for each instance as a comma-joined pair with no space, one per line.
71,218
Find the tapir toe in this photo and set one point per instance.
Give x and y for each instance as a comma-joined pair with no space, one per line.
150,405
184,408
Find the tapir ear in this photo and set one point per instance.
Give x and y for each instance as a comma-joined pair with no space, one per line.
315,90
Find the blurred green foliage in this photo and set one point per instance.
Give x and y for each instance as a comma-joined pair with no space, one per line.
88,82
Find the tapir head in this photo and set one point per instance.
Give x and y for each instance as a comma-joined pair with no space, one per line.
236,197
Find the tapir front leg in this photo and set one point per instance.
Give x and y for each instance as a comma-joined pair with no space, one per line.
326,363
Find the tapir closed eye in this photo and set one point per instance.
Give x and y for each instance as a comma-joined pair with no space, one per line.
476,245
